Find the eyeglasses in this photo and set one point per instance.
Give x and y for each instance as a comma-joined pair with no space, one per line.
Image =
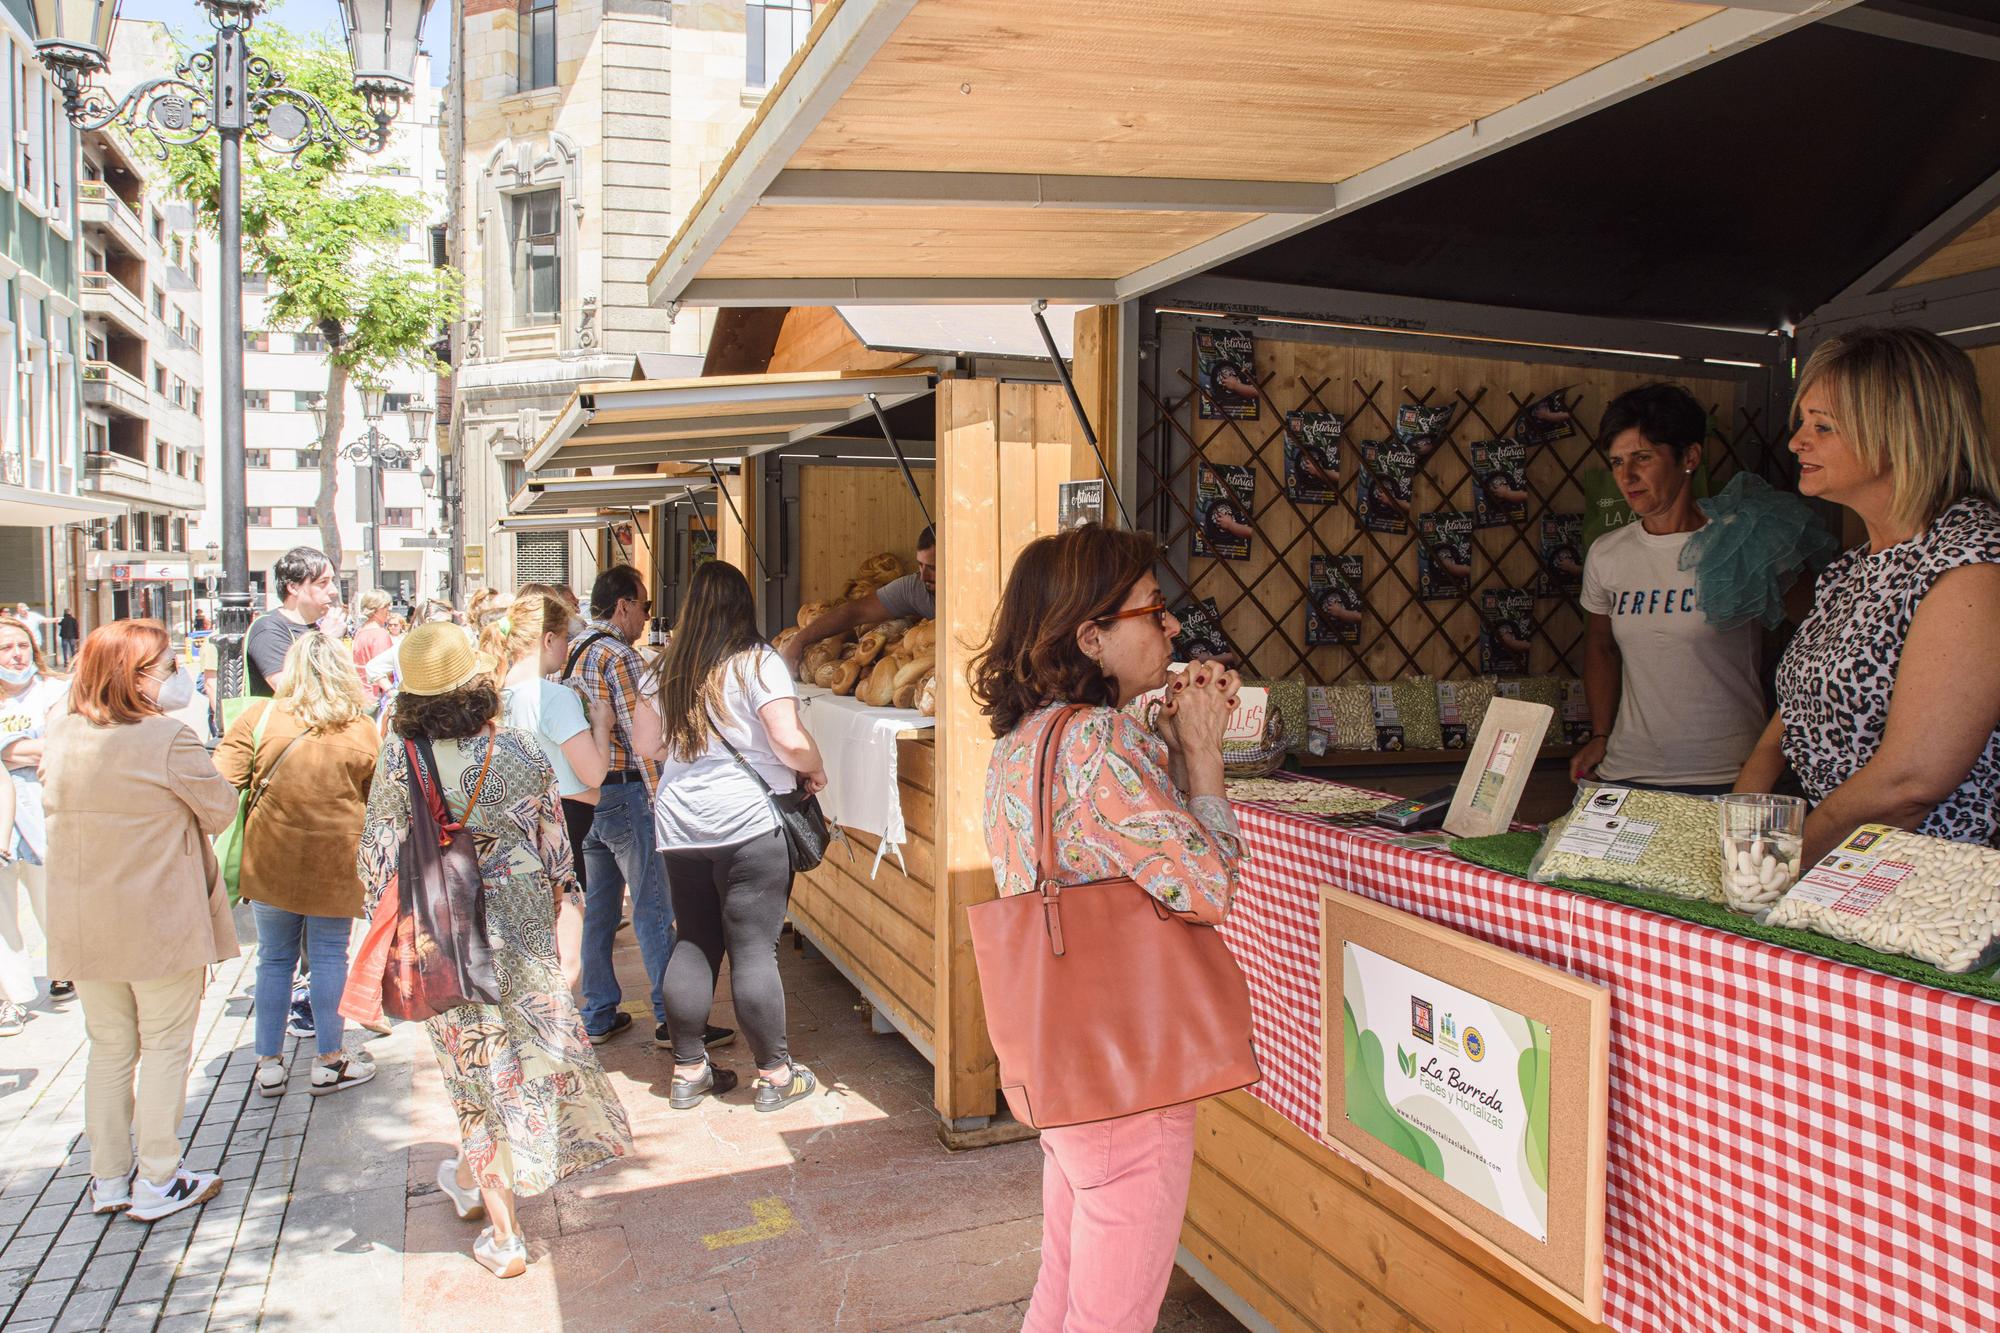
1158,611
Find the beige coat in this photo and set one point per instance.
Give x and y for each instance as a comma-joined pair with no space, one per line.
135,893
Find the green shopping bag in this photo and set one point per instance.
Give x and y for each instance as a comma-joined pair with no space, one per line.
229,842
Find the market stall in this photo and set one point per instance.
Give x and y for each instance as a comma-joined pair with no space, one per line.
1433,279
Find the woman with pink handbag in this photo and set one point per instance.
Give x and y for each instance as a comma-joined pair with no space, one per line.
1123,832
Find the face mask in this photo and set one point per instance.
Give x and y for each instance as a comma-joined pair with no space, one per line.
18,675
176,691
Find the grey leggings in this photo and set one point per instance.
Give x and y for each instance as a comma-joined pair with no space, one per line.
729,900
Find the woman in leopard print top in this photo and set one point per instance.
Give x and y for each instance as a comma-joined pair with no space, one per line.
1888,703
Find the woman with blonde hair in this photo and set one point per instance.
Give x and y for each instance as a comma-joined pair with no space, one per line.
528,643
1888,703
307,758
137,912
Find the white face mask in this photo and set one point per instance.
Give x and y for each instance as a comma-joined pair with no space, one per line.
18,675
176,691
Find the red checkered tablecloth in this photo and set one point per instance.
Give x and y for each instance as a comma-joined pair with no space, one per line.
1795,1143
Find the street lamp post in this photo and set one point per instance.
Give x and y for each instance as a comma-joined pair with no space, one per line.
444,488
231,91
376,451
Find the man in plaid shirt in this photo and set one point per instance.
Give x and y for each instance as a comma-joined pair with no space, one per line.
619,852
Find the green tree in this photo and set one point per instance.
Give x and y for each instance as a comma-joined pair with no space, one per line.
328,239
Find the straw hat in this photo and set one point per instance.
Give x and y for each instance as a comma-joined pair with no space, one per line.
438,658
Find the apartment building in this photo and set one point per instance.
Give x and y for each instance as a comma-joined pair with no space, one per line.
45,500
582,130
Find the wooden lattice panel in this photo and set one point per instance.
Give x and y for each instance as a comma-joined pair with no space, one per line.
1262,599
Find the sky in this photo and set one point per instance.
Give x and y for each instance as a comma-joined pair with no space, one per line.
186,17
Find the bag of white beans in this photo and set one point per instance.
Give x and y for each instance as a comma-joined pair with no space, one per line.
1642,839
1903,893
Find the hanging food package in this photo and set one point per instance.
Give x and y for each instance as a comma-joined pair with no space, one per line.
1640,839
1903,893
1353,716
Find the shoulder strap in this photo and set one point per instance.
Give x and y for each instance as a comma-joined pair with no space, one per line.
263,784
1045,852
748,767
423,770
576,653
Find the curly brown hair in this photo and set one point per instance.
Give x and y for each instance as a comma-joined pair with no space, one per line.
1058,585
447,717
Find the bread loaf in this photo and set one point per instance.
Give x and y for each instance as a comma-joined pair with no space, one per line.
880,688
846,675
822,675
927,695
870,645
812,611
921,639
785,636
880,569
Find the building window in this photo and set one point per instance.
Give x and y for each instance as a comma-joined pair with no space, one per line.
257,400
159,532
160,229
305,400
256,458
139,531
194,404
310,341
159,304
159,379
537,62
772,30
259,341
306,460
399,518
303,516
197,467
256,280
180,534
536,224
258,516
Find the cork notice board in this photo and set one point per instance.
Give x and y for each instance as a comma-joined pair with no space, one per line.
1569,1264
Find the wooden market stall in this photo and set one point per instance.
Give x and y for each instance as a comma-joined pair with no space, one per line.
1189,175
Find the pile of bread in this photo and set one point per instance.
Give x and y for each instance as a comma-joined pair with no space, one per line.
892,664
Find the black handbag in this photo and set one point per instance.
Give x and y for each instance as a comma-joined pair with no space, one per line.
807,832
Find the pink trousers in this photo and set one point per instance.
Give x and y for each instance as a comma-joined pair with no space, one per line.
1113,1195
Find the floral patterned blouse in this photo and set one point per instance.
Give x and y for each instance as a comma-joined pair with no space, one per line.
1118,811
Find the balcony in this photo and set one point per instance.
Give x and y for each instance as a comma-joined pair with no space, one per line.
99,205
115,475
105,295
106,386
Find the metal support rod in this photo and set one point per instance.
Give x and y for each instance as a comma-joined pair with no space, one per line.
1082,418
374,506
909,478
233,620
730,500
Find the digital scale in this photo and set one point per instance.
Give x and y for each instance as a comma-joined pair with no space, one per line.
1416,812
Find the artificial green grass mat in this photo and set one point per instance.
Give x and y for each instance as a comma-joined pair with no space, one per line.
1511,853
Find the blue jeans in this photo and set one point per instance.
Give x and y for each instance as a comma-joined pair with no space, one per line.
279,934
619,854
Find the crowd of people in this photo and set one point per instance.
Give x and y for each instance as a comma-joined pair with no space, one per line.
591,775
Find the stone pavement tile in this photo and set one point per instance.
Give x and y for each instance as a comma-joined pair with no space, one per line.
133,1317
240,1165
86,1310
13,1281
183,1323
30,1325
64,1261
237,1303
265,1201
901,1284
43,1221
13,1210
83,1230
193,1292
122,1237
201,1159
148,1282
247,1266
912,1205
161,1246
105,1272
42,1300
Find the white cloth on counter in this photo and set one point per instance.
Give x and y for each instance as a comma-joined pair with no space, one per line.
859,746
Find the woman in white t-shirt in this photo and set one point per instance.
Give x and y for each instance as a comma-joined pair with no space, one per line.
724,722
528,642
1675,703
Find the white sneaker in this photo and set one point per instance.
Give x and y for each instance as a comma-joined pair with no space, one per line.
508,1260
342,1073
13,1019
272,1077
152,1202
466,1202
110,1196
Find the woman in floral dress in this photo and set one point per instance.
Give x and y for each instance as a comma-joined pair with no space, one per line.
533,1104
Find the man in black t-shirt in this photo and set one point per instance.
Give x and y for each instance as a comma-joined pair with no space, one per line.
307,588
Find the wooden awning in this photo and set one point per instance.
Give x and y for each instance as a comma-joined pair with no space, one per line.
720,417
579,496
998,150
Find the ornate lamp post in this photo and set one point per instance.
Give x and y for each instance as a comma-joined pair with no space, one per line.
376,451
228,90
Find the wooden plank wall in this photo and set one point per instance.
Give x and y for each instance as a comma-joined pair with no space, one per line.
1312,1241
1002,448
1975,248
881,927
815,337
1403,635
850,513
1986,360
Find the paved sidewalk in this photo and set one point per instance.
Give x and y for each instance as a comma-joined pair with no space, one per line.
843,1211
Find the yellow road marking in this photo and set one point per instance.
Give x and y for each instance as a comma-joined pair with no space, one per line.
773,1219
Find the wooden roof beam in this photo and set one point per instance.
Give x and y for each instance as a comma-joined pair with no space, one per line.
987,189
1920,25
897,291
